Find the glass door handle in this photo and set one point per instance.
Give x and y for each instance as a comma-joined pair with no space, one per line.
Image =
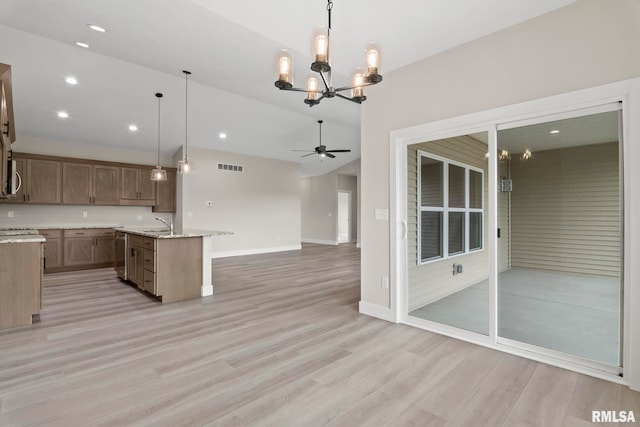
405,229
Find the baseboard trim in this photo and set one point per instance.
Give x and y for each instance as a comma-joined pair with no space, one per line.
256,251
375,310
320,242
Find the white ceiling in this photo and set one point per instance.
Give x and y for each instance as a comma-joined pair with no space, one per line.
230,47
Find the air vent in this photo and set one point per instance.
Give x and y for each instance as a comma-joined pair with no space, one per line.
230,168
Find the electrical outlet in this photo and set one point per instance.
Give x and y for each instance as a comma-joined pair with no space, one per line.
190,214
10,214
139,217
84,214
384,282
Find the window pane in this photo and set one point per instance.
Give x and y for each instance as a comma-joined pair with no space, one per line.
456,232
456,187
431,238
431,182
475,189
475,230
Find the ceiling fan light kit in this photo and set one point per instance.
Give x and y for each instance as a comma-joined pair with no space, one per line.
322,66
321,150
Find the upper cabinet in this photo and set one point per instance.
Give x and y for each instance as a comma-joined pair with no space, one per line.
7,128
84,184
136,187
55,180
166,194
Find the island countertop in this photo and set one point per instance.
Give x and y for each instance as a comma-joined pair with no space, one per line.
163,233
20,236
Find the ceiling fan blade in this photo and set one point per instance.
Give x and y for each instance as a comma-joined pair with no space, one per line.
337,151
326,153
308,154
305,151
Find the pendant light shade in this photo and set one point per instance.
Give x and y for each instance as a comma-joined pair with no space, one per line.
184,167
157,173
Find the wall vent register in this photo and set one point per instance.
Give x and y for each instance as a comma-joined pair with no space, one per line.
230,168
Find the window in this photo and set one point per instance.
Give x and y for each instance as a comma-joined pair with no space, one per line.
450,200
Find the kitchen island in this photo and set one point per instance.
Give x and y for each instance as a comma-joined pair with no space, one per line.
20,277
170,266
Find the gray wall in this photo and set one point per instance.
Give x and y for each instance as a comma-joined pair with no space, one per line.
260,205
319,195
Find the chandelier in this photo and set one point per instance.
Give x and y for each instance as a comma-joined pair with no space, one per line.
322,66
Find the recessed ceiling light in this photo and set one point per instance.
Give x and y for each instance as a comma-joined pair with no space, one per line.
71,80
222,135
97,28
63,114
84,45
554,131
133,128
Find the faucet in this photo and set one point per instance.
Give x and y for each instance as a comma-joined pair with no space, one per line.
167,223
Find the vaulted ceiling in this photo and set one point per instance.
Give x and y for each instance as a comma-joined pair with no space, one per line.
230,47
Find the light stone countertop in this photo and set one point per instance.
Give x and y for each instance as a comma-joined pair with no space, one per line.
58,227
163,233
20,236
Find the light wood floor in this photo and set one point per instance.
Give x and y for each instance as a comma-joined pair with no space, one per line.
280,344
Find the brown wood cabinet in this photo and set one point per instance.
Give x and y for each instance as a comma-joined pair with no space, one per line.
55,180
166,194
52,249
89,248
41,182
84,183
169,268
21,284
136,187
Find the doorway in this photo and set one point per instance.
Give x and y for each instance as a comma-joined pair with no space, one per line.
344,217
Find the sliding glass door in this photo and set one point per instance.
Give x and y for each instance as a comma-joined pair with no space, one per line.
560,236
447,246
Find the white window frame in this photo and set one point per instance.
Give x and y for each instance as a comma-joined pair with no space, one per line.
445,209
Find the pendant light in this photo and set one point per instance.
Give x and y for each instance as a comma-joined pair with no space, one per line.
158,174
183,165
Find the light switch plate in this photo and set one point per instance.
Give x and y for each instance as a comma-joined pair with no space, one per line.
10,214
382,214
84,214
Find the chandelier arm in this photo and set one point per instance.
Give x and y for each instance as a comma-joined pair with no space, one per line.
339,95
327,82
340,89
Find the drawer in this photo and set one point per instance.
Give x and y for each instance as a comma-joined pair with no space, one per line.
150,281
149,260
51,234
135,240
89,232
149,243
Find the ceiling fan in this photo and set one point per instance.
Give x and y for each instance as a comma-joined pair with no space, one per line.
322,149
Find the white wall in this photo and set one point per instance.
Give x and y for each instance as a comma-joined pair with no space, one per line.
260,205
586,44
319,196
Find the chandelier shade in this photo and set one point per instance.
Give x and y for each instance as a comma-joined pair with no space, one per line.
319,88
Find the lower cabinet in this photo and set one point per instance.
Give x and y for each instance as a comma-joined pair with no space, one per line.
169,268
52,249
21,284
89,248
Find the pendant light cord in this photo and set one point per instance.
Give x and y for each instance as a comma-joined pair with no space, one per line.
158,95
329,7
186,110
